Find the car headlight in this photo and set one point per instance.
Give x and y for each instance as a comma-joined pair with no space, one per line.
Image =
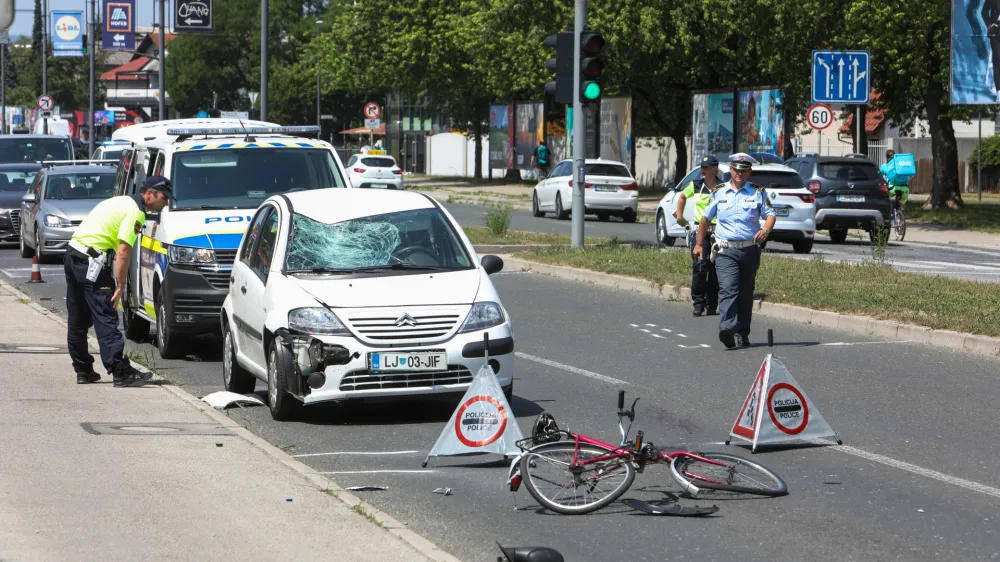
187,255
57,221
483,315
316,321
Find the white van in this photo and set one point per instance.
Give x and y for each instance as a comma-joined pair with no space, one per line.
56,126
221,170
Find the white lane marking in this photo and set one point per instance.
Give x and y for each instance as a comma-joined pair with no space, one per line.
356,453
657,336
919,470
963,266
913,265
645,330
846,343
954,248
381,472
668,330
698,346
575,370
681,336
651,325
634,325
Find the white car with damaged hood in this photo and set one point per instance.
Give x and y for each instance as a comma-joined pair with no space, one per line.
341,294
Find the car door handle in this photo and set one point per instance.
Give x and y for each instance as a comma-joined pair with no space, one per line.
243,289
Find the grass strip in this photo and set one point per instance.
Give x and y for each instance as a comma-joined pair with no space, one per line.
482,235
980,216
869,289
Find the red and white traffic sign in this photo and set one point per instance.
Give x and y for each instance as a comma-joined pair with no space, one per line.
481,420
819,116
788,408
45,102
372,110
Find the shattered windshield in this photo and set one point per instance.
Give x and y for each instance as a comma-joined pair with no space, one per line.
420,239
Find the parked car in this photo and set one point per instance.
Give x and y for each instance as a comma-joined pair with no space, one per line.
850,193
793,204
610,190
339,294
374,171
56,203
14,181
110,150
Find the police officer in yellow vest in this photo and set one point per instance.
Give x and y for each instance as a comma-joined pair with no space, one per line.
96,265
704,281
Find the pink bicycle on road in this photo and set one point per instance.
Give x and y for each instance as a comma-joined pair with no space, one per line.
570,473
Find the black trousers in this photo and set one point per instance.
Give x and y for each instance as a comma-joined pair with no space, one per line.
704,280
89,304
738,278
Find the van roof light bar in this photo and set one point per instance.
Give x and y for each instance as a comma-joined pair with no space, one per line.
188,132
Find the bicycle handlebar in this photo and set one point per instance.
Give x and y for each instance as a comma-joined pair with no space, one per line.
621,399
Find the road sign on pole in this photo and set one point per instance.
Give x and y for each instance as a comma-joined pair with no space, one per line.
819,116
372,123
45,102
193,16
841,77
119,25
372,110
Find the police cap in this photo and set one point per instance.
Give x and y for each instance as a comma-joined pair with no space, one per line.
159,183
709,161
742,161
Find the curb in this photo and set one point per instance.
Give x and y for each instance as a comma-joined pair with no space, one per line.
957,341
319,481
511,248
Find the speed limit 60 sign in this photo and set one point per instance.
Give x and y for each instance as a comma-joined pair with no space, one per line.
819,116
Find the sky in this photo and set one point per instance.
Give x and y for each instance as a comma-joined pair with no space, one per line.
23,21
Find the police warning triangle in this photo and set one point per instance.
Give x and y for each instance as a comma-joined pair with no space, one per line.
777,410
482,423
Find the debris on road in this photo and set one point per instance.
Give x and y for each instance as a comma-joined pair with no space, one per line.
442,491
367,489
223,399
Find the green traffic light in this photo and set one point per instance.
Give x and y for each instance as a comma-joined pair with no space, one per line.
592,91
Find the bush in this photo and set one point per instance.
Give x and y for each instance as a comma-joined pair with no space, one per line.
498,220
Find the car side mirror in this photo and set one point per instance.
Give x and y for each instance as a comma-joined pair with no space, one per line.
492,264
28,197
671,185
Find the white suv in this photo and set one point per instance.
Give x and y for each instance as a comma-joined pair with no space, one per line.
794,205
351,293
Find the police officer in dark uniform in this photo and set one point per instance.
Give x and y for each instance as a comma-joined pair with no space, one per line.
96,265
704,281
739,206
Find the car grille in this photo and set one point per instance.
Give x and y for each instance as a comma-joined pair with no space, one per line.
195,306
15,220
218,275
366,380
382,327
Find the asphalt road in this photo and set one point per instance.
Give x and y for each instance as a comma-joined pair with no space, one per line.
950,260
916,478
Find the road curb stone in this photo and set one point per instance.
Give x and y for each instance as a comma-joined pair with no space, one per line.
891,330
321,482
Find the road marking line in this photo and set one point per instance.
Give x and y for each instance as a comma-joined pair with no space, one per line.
634,325
651,325
657,336
681,336
919,470
668,330
913,265
645,330
843,343
381,472
355,453
697,346
575,370
962,266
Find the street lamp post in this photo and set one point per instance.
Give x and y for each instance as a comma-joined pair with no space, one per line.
319,123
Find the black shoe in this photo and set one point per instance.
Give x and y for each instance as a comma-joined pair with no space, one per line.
87,378
726,337
698,311
742,341
127,375
711,312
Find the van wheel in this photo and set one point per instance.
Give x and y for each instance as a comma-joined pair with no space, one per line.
234,377
284,406
167,342
136,329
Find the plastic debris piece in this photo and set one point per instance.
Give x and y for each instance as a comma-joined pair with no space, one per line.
443,491
920,511
218,443
288,499
366,488
223,399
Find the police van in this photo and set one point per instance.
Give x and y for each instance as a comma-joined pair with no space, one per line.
221,170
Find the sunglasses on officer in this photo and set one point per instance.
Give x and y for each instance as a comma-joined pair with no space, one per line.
741,169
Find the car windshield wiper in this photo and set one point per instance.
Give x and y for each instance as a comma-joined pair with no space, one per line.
329,270
399,266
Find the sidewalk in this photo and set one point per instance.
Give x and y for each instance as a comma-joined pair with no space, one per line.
70,494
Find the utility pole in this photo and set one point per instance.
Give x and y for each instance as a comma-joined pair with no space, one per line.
45,46
163,59
3,89
90,117
263,60
319,123
579,129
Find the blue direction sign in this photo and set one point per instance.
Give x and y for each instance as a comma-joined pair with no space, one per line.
119,25
841,77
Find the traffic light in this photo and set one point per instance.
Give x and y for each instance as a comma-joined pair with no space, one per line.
85,43
562,87
591,65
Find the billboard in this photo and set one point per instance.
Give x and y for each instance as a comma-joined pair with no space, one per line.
529,130
616,130
712,125
975,52
67,34
761,122
501,133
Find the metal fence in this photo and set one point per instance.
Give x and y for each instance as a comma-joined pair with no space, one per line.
876,151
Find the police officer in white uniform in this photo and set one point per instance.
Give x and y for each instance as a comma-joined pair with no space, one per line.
738,206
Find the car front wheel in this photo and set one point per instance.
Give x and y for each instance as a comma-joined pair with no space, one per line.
234,378
283,405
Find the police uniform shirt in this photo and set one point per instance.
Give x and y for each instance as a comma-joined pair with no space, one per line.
114,219
739,211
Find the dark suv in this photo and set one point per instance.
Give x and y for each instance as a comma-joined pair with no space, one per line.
850,193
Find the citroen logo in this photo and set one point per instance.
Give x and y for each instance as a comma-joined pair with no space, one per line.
405,320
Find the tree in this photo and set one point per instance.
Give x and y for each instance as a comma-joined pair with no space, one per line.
909,42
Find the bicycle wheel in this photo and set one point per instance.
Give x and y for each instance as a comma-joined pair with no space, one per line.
546,472
736,474
900,224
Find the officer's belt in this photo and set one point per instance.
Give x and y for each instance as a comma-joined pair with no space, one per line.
735,243
84,249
